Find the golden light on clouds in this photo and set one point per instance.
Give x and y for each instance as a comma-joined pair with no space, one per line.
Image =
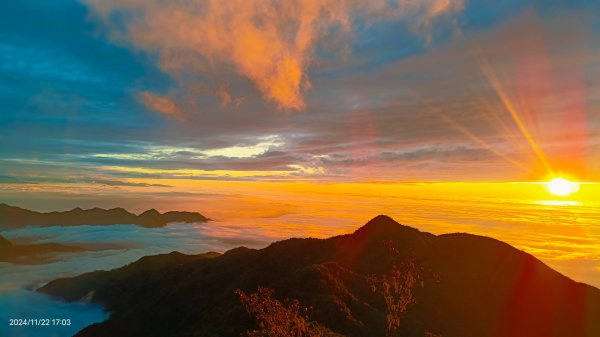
271,43
197,173
244,151
558,231
164,105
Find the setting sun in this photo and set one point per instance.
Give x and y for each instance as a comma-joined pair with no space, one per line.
300,168
562,187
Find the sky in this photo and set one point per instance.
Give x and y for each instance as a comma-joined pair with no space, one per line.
305,113
103,92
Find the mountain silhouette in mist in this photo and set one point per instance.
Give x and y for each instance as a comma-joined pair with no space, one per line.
14,217
468,286
32,253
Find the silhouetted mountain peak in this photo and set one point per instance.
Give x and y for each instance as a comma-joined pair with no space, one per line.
238,251
382,224
382,220
150,213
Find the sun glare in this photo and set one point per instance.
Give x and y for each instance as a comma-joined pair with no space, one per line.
562,187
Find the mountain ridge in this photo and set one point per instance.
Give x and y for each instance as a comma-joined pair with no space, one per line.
32,253
14,217
468,285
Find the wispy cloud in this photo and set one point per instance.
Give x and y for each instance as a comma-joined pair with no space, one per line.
265,144
162,104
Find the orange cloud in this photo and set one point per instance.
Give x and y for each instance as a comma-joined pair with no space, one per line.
226,98
161,104
269,42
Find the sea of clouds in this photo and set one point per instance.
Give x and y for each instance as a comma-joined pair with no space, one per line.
110,247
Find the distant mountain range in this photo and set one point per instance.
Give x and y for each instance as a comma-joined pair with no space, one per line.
32,253
14,217
468,286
